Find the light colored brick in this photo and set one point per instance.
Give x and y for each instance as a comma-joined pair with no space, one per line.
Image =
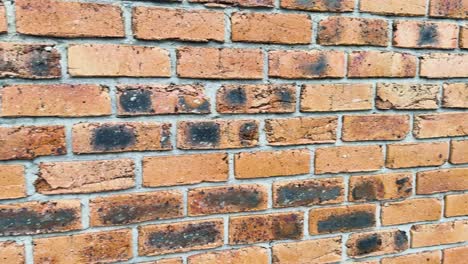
371,64
410,211
439,234
409,155
242,3
456,205
380,187
440,125
319,5
456,255
325,250
455,95
394,7
245,255
443,180
464,37
12,252
459,152
426,257
3,19
444,65
341,219
375,127
415,34
449,8
12,182
348,159
376,243
407,96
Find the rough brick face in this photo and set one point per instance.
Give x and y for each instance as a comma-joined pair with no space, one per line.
446,180
380,187
375,127
348,159
449,8
12,182
3,19
406,96
254,255
411,210
320,5
376,243
440,125
414,34
341,219
12,252
464,37
416,154
455,255
242,3
456,205
394,7
455,95
427,257
444,65
459,151
326,250
371,64
437,234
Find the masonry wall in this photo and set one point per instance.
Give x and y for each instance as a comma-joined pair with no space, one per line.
234,131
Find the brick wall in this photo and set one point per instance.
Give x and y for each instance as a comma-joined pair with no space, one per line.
234,131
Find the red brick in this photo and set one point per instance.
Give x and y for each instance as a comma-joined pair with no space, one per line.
444,65
410,211
219,63
68,19
12,252
426,257
348,159
120,137
394,7
444,180
301,130
407,96
12,182
353,31
456,205
449,8
464,37
185,169
375,127
319,5
179,24
409,155
459,152
455,95
376,243
241,3
380,187
325,250
29,142
341,219
439,234
110,60
301,64
441,125
247,255
456,255
415,34
64,100
370,64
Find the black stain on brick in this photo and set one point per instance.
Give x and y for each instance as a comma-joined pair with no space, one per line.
235,97
428,34
287,227
317,68
349,221
234,197
401,240
369,244
40,63
112,137
296,195
187,107
401,183
248,132
204,134
285,96
134,101
333,4
367,190
192,235
125,214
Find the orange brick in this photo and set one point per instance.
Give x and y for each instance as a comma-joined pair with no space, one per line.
120,137
136,100
380,187
227,199
265,228
410,155
336,97
222,134
449,8
341,219
242,3
261,164
64,100
441,125
12,182
338,30
110,60
271,28
3,19
415,34
348,159
459,152
407,96
12,252
165,261
325,250
68,19
185,169
456,255
444,65
180,237
247,255
179,24
29,142
455,95
308,192
464,37
95,247
369,64
410,211
29,61
219,63
256,98
375,127
439,234
394,7
446,180
30,218
301,64
376,243
456,205
319,5
426,257
301,130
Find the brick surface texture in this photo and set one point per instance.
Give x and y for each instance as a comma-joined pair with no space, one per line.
234,131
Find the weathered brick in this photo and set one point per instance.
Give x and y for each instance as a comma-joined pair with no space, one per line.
456,255
262,164
120,137
12,182
301,64
3,19
341,219
12,252
250,255
254,99
271,28
380,187
110,60
180,237
415,34
410,211
179,24
65,100
348,159
136,100
40,217
455,95
394,7
227,199
464,37
449,8
406,96
409,155
242,3
219,63
29,142
68,19
441,125
29,61
456,205
375,127
336,97
376,243
319,5
459,152
308,192
95,247
265,228
325,250
301,130
370,64
439,234
135,208
339,30
444,180
426,257
185,169
222,134
165,261
444,65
